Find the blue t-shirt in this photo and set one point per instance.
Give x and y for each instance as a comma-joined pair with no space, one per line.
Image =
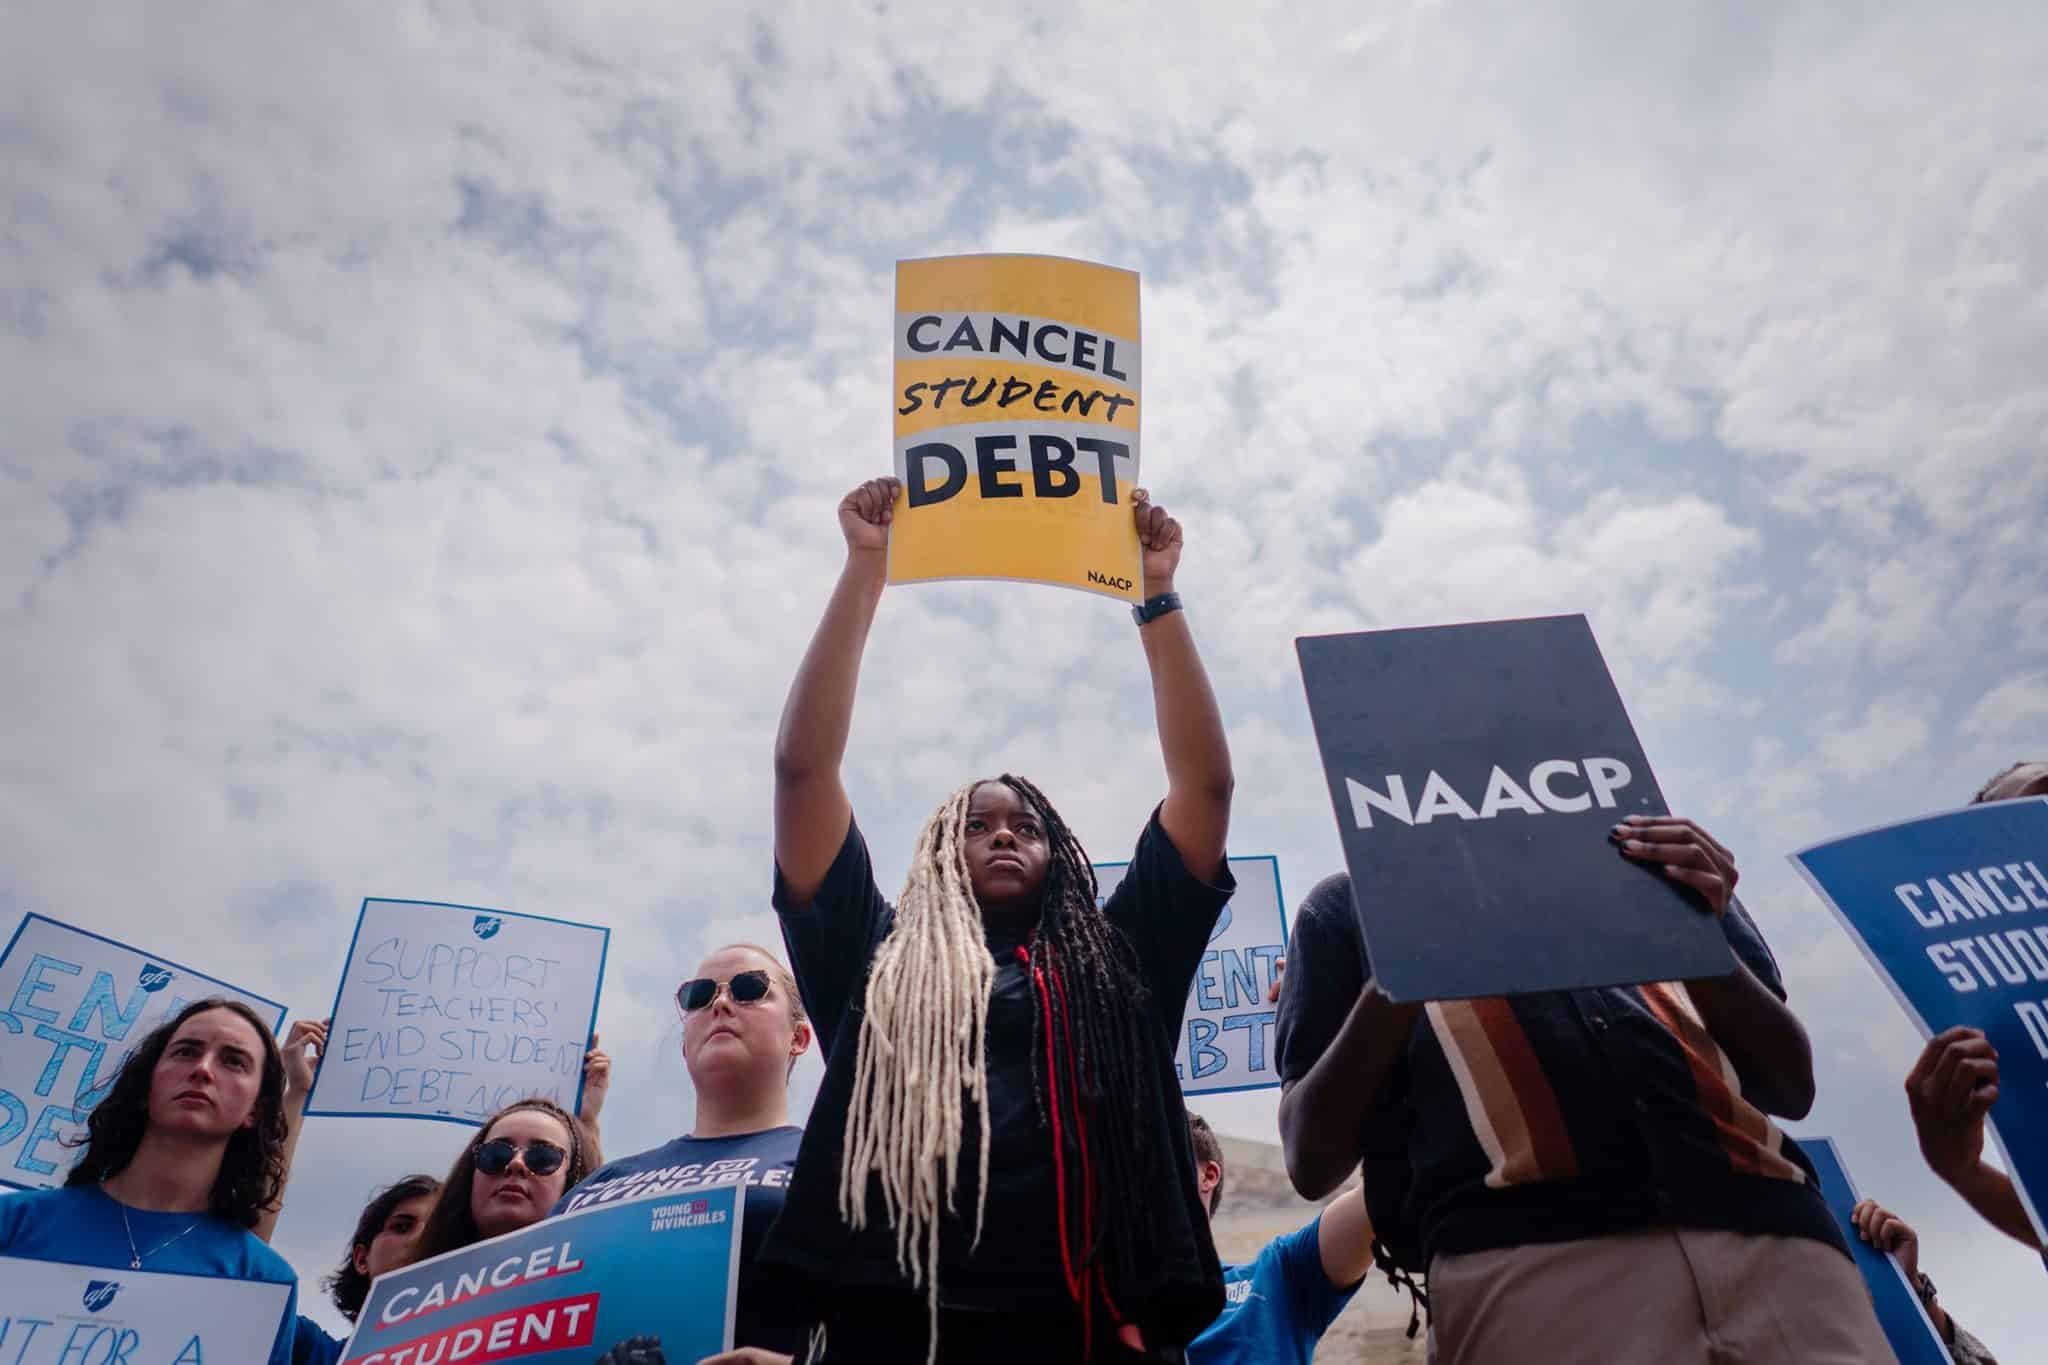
1276,1308
82,1225
312,1345
763,1162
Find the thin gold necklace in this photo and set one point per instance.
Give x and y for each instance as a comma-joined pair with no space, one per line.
135,1256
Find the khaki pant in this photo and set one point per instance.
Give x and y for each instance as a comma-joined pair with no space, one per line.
1674,1296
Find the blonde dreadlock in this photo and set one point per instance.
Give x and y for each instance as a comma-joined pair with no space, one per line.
923,1051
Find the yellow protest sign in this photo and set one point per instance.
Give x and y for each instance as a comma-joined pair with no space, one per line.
1016,422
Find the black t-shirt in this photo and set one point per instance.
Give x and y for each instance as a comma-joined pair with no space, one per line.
1165,913
1558,1115
762,1162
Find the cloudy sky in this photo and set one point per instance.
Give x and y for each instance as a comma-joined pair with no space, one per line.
423,424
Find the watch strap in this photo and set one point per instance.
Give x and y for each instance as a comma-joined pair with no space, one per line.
1154,607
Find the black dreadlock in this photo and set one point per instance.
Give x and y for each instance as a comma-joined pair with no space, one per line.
1091,1076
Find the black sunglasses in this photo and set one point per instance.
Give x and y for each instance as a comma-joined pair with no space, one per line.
746,988
542,1158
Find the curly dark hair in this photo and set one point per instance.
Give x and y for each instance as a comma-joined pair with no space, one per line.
252,1170
1984,792
349,1286
451,1223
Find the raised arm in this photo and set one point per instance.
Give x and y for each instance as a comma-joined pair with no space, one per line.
1196,813
303,1044
597,1083
1344,1238
811,806
1758,1031
1952,1086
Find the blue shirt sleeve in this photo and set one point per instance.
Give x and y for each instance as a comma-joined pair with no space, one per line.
312,1346
1311,1298
280,1270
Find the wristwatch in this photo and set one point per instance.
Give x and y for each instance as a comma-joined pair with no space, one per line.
1152,608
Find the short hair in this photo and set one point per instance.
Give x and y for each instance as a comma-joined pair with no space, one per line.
350,1286
252,1170
1984,792
1208,1147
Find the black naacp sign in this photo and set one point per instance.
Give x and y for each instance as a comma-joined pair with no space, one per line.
1475,771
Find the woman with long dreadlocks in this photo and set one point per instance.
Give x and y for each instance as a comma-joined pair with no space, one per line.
997,1165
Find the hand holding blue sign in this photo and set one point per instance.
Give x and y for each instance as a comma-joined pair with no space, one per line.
1887,1255
1950,1090
1950,910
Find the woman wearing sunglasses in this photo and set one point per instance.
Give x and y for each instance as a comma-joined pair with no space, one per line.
997,1167
181,1159
743,1029
513,1171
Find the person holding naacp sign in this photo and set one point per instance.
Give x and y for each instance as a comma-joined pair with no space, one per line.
744,1026
997,1167
181,1160
1608,1149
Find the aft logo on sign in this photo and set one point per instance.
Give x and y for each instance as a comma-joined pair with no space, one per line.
100,1293
487,926
154,978
1556,785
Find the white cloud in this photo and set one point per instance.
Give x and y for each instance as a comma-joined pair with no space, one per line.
423,426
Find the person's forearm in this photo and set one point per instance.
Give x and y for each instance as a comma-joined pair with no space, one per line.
1321,1114
818,715
1990,1192
592,1141
1762,1037
1192,741
294,1110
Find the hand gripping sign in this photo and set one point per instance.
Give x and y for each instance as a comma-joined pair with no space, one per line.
1906,1324
452,1012
1016,412
73,1005
1475,771
1952,910
1226,1034
650,1279
52,1313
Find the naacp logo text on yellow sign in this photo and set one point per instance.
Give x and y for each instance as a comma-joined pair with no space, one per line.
1016,422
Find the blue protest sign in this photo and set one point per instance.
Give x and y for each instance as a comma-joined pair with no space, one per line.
73,1005
1475,771
451,1012
1226,1035
1952,910
1906,1325
53,1313
659,1274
